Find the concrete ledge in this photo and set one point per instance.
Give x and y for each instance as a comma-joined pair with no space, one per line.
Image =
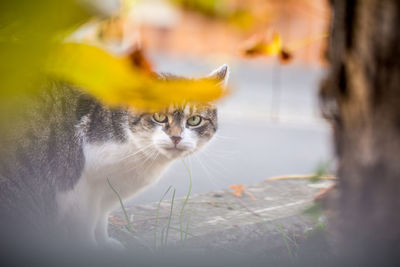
218,221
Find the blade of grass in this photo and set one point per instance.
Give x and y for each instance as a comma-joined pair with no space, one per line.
162,236
157,216
185,202
170,216
128,222
285,240
129,225
179,230
187,227
294,239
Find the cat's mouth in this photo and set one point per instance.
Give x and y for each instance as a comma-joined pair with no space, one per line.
174,151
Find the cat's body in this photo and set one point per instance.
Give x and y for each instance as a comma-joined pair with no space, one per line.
72,154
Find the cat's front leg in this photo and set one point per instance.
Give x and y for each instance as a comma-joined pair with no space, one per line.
102,237
78,218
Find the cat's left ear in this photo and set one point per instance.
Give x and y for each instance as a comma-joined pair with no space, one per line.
221,75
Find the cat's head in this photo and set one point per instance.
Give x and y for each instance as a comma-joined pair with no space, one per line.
179,130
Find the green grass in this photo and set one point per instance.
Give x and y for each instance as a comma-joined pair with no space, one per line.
184,233
128,222
322,169
183,238
170,217
286,240
315,211
187,229
128,226
165,230
158,214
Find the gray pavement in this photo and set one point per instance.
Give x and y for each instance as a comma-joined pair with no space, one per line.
269,216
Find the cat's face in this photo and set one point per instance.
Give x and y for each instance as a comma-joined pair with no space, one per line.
179,130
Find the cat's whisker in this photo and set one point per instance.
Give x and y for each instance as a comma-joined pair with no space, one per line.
220,155
136,152
219,136
150,156
218,166
219,149
150,159
139,159
154,159
211,152
143,153
135,167
221,168
208,173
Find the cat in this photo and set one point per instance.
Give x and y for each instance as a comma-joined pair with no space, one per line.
71,153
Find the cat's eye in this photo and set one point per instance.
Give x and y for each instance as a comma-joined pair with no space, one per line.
160,118
194,121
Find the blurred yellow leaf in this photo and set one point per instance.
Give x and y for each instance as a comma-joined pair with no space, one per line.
115,81
261,47
29,30
275,46
272,48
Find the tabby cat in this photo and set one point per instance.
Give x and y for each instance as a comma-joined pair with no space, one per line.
63,157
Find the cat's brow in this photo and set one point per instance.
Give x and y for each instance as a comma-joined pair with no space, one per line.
178,115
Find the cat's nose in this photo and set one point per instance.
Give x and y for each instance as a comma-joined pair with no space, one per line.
175,139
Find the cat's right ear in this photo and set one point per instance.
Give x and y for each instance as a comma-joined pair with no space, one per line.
221,75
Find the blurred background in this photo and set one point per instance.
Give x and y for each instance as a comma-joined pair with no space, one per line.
270,123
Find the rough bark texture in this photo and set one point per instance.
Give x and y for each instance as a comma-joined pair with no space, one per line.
361,97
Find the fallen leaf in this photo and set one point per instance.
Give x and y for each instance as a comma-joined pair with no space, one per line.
238,190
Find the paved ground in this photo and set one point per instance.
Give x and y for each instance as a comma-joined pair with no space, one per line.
269,216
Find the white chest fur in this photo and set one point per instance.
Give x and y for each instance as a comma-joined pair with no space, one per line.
125,167
128,168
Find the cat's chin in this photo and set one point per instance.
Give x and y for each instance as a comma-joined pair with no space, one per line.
173,152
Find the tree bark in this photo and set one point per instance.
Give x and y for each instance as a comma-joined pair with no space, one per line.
361,97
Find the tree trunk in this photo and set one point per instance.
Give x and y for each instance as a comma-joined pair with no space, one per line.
361,97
